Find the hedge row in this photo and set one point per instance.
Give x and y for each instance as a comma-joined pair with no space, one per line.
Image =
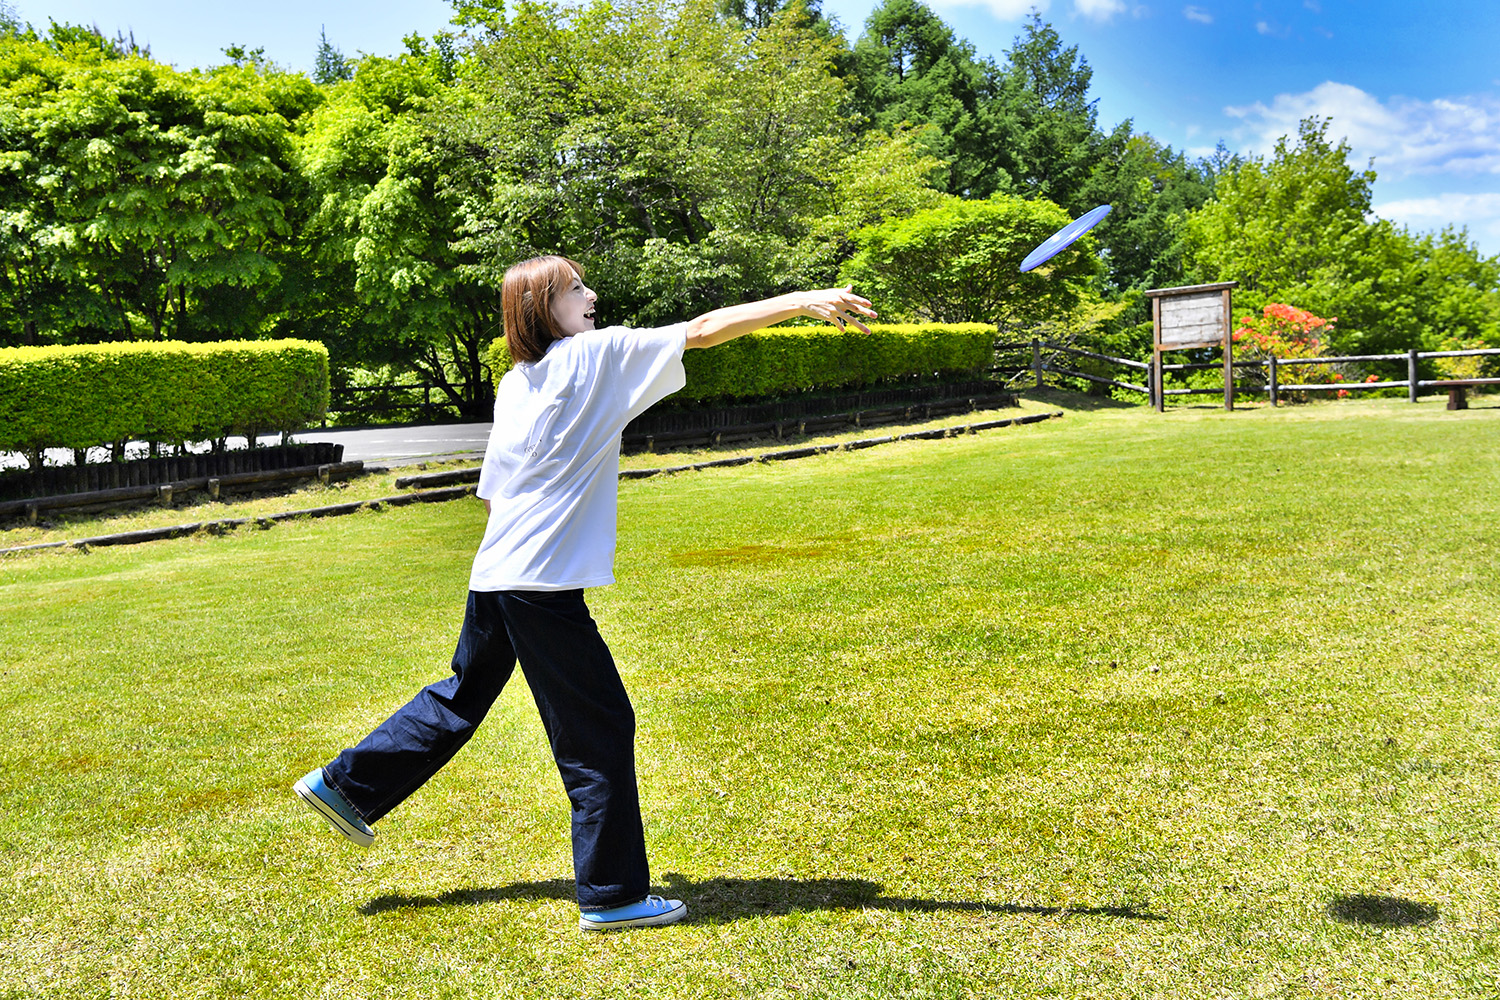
97,394
788,359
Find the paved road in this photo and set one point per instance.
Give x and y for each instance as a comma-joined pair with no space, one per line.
403,445
375,446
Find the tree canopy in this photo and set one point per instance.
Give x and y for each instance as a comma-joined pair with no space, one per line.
691,153
140,201
1296,227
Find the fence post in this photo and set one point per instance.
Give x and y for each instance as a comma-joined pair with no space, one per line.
1228,378
1036,360
1271,367
1411,375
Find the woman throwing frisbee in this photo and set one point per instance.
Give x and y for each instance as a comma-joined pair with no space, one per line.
550,482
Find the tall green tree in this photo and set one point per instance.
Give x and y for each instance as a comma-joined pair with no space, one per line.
329,64
909,69
397,283
1052,143
1151,188
688,161
145,202
1029,127
1281,222
43,297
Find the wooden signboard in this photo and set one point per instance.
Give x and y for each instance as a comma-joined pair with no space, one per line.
1191,316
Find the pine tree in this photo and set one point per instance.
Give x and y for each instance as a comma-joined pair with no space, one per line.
330,65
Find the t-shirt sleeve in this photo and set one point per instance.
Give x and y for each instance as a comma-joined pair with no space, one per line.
649,365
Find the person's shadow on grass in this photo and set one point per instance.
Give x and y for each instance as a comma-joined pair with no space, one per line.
721,899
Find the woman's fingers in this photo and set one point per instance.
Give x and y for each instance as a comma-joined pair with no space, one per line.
841,306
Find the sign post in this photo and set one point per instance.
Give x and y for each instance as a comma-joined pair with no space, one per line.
1186,317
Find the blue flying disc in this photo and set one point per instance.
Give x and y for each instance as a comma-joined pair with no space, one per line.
1064,237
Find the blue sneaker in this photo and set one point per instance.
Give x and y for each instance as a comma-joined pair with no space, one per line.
325,800
653,911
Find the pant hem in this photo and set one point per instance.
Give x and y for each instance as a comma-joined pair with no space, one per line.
593,908
328,781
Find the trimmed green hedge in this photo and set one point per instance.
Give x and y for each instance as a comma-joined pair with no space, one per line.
96,394
786,359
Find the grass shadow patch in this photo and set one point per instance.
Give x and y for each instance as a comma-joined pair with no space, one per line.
717,900
1381,911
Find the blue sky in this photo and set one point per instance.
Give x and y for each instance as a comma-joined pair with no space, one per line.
1414,85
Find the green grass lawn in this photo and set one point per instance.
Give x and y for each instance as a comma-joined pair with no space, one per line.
1122,705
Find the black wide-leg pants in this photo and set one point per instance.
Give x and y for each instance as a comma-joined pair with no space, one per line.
584,708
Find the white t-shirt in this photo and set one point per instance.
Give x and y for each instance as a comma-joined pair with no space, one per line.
551,471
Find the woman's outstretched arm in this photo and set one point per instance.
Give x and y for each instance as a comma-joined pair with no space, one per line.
836,305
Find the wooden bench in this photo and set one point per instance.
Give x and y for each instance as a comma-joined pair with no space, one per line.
1458,390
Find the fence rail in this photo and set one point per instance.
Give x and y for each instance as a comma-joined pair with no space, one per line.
1155,387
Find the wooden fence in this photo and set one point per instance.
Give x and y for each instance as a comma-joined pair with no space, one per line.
92,477
1151,378
425,402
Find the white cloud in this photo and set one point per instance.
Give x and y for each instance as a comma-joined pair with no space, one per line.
1004,10
1198,14
1013,10
1480,213
1406,137
1099,10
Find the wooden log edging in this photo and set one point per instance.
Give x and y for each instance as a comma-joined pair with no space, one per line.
226,525
163,492
471,476
451,478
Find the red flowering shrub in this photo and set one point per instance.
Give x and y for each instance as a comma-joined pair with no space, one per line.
1287,333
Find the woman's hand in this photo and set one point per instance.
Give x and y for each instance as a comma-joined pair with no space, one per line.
838,306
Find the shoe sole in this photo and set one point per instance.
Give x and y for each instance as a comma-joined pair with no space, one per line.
331,817
655,920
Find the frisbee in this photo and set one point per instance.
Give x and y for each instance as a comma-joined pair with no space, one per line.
1064,237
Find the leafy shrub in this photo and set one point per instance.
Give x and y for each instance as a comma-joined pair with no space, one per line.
1288,333
960,262
788,359
89,395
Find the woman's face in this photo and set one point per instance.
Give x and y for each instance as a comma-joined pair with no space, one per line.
573,308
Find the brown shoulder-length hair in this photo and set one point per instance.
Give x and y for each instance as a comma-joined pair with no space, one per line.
526,304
